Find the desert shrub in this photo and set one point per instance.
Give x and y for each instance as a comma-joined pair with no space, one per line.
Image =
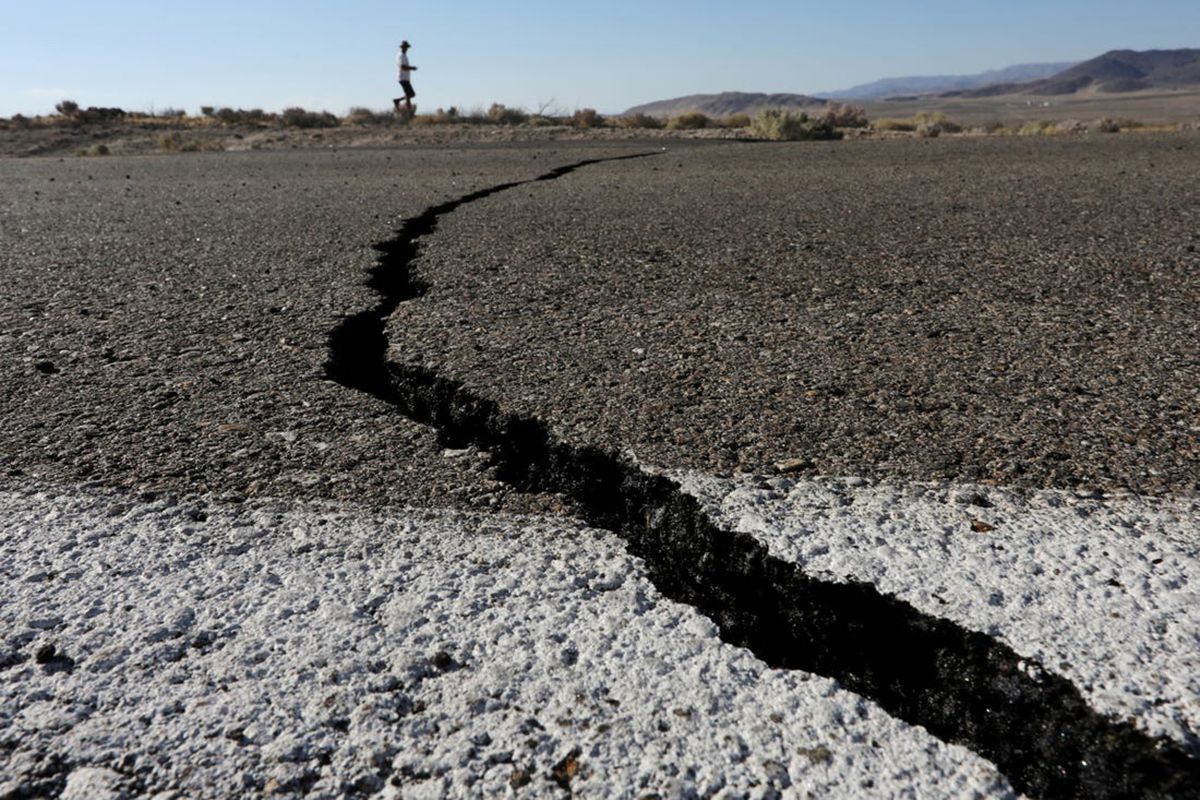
202,146
67,108
172,113
587,118
777,125
639,121
207,111
95,150
934,123
20,122
241,116
689,121
1106,125
542,121
1038,128
1070,127
843,115
446,116
500,114
889,124
296,117
169,142
93,115
365,116
734,121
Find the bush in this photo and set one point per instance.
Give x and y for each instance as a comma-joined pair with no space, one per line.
735,121
365,116
92,114
500,114
934,124
1039,128
207,111
202,146
640,121
842,115
442,116
689,121
20,122
888,124
299,118
587,118
67,108
241,116
785,126
95,150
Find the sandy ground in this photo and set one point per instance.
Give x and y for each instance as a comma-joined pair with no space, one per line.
213,586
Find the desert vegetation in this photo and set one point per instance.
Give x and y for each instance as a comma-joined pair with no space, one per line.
100,131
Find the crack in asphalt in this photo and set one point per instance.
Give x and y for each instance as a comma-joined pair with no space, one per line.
963,686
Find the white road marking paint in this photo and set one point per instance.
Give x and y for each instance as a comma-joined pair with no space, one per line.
276,646
1102,591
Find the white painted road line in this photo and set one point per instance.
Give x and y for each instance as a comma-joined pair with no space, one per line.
220,650
1102,591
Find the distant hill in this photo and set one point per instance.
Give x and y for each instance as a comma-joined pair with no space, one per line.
938,84
725,103
1115,71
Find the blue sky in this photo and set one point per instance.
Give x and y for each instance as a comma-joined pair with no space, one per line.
561,54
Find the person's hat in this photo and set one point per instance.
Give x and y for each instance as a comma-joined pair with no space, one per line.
405,44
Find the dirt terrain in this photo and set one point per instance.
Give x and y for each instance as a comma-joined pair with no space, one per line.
168,138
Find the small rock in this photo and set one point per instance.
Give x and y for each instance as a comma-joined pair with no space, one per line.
521,776
46,367
93,783
817,755
565,770
793,464
981,527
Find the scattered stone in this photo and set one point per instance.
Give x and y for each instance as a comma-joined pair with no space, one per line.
93,783
565,770
521,776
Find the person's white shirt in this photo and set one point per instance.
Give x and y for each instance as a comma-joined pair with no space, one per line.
402,66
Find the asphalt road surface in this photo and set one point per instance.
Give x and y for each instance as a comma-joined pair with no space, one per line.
233,568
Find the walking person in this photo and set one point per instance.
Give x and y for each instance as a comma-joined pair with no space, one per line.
404,71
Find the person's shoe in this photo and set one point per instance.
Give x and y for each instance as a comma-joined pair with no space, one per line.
396,104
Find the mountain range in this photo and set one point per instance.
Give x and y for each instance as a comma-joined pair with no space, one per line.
725,103
1114,72
936,84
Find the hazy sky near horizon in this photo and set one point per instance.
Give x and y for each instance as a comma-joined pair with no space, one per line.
610,55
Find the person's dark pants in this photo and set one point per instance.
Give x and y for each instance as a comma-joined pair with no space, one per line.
409,94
